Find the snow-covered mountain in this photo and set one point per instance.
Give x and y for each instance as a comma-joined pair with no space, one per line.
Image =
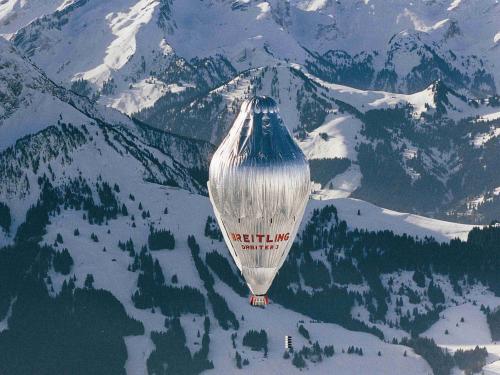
372,44
394,104
438,147
43,124
185,66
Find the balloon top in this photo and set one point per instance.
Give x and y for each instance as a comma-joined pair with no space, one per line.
258,138
263,104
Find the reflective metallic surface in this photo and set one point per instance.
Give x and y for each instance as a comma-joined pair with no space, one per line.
259,185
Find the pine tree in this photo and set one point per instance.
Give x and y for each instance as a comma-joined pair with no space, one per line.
158,273
5,218
435,294
304,332
298,361
419,278
161,239
89,281
238,360
329,350
256,340
62,262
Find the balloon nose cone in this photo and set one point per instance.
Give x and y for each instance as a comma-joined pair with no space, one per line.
263,104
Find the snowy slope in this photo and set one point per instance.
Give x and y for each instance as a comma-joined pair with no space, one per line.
375,218
42,124
26,106
187,215
15,14
472,332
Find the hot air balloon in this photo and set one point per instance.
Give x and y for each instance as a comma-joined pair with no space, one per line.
259,184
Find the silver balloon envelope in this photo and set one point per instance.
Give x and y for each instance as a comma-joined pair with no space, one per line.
259,185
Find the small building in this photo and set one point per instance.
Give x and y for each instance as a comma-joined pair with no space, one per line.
288,343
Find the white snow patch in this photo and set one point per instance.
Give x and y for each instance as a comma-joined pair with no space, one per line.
166,48
124,26
313,5
365,100
482,138
489,117
419,24
376,218
342,185
473,331
138,350
454,4
140,95
341,131
4,323
265,9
